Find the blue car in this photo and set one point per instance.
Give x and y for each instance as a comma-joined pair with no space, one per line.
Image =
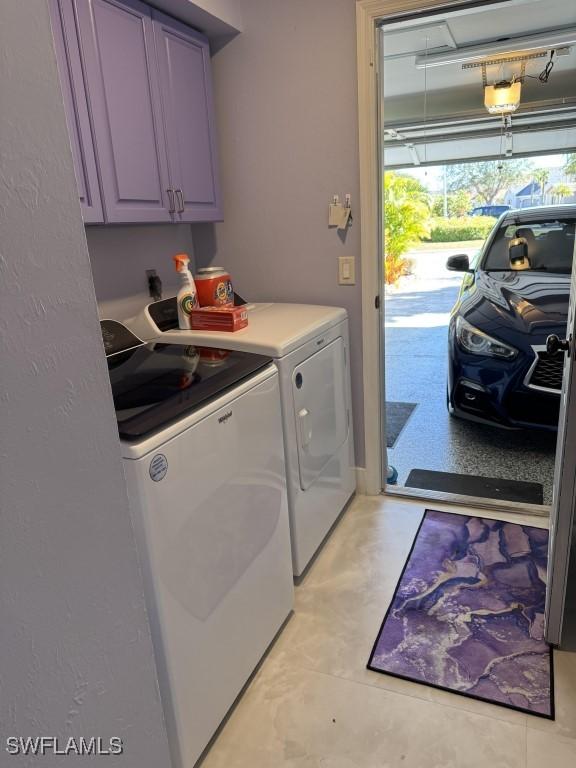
502,367
489,210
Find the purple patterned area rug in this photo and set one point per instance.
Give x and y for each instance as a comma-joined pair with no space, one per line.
468,613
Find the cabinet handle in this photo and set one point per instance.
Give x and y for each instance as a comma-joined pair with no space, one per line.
180,198
171,208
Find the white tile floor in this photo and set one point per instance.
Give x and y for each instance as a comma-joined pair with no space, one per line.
313,703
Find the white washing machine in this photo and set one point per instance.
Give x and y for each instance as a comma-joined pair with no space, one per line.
203,458
309,344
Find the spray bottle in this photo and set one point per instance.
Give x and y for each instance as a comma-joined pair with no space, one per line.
187,298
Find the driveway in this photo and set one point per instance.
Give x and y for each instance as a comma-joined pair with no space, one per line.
417,313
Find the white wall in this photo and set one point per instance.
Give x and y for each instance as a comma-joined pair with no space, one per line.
120,256
286,102
76,655
219,20
227,10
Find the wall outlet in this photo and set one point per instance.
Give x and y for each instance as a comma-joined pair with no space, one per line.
346,270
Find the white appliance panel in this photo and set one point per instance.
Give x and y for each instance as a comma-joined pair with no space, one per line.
216,553
314,511
273,329
321,410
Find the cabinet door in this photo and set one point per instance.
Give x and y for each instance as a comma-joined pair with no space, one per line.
118,53
75,105
186,92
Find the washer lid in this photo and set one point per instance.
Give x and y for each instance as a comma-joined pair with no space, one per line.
156,384
273,329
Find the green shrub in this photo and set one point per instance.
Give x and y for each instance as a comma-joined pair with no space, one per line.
406,218
456,230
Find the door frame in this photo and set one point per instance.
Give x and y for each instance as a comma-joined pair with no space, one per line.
370,113
559,595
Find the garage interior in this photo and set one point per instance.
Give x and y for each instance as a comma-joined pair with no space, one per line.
435,69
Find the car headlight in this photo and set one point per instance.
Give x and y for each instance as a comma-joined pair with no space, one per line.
479,343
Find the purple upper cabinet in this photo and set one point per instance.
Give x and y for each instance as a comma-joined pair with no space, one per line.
76,108
186,93
117,47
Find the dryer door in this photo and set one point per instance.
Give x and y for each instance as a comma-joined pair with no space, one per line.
319,393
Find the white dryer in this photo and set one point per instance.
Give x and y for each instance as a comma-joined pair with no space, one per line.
310,345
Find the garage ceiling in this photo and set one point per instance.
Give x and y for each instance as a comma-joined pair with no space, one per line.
436,115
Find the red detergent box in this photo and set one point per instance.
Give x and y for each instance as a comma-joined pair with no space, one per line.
218,319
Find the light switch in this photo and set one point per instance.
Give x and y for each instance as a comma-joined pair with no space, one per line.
346,270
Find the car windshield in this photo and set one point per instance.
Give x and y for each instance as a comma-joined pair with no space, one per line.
549,243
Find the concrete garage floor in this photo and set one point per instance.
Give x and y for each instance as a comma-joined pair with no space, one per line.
417,314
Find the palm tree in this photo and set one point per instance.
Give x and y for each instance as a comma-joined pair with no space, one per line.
570,167
541,175
406,221
560,191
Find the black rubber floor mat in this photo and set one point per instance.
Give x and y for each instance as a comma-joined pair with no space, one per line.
473,485
397,415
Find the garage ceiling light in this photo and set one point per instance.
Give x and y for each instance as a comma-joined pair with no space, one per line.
543,41
502,98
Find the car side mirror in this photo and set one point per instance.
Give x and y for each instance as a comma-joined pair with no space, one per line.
458,263
518,253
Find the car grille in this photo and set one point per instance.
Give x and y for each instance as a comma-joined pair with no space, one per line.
548,371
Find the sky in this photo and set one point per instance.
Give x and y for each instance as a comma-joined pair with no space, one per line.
431,176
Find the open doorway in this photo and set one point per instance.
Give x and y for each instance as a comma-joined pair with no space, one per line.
471,393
